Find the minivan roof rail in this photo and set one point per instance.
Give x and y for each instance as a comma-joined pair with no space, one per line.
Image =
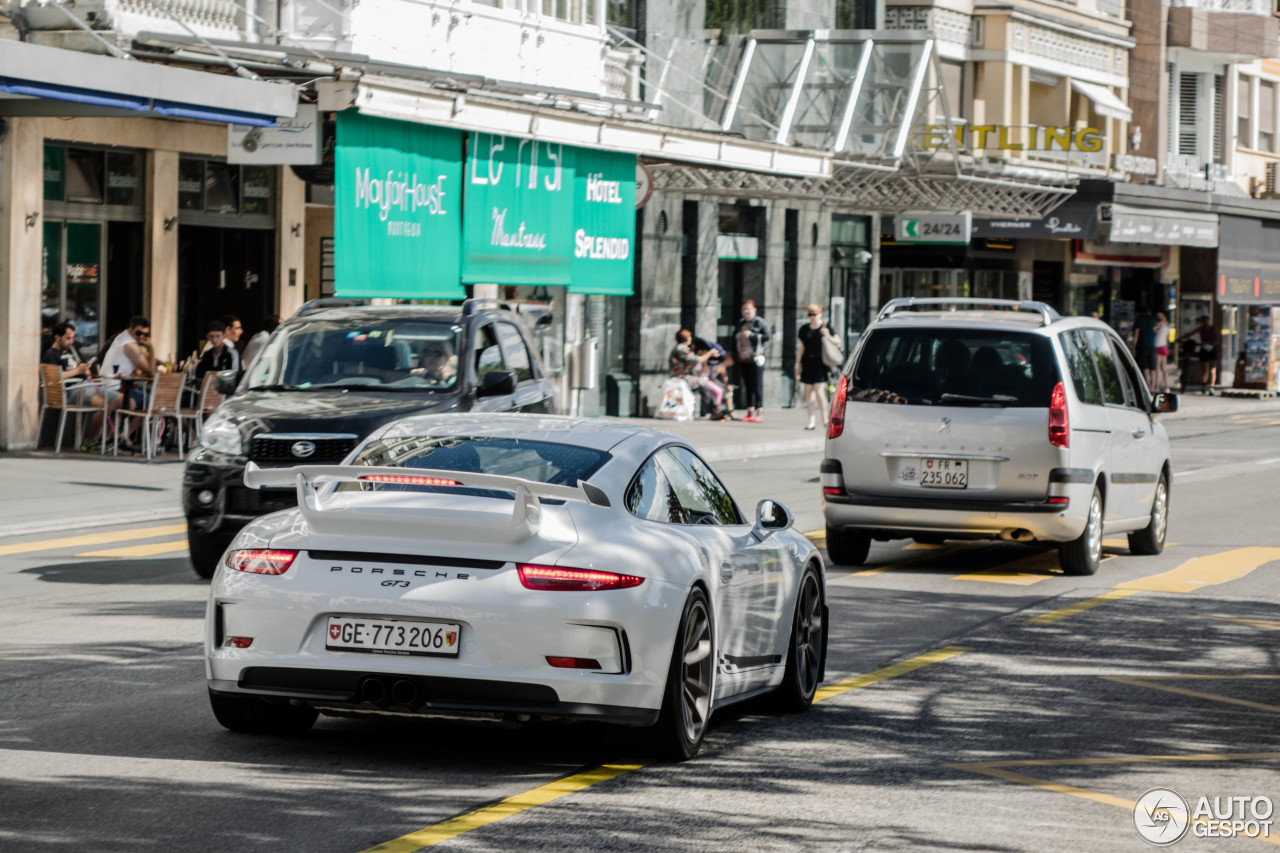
328,302
1046,312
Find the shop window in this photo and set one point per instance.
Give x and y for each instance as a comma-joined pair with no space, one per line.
1266,115
55,172
221,188
124,179
255,189
1244,102
84,176
191,185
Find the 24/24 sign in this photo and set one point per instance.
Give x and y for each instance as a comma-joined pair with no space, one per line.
953,228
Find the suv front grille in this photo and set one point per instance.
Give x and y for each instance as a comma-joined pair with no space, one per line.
328,448
243,501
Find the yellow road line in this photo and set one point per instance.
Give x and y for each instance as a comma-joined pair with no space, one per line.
506,808
891,671
1081,606
1024,572
148,550
543,794
996,769
1252,623
92,539
924,546
1195,694
1206,571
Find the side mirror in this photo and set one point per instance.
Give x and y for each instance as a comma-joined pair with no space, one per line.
225,382
1164,402
497,383
771,516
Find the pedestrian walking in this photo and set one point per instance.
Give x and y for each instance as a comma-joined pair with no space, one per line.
752,339
1162,352
811,369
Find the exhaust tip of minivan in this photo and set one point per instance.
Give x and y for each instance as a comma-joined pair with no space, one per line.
1016,534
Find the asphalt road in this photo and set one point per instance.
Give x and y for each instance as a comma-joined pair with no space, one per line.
977,700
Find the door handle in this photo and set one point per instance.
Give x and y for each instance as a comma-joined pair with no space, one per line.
1139,433
726,570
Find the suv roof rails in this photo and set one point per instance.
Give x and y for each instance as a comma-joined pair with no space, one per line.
327,302
1046,312
474,304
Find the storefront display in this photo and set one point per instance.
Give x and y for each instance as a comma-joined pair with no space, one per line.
1257,348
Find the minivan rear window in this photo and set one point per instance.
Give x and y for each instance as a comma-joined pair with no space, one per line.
954,367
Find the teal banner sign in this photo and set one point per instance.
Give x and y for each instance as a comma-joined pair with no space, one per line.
518,221
604,222
398,209
543,213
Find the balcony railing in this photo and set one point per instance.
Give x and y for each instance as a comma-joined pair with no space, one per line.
1248,7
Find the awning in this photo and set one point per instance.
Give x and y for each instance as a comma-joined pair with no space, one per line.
1163,227
72,76
412,101
1104,102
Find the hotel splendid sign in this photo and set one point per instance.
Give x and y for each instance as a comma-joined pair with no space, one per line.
1002,137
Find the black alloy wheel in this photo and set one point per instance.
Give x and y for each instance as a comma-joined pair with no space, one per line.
807,646
686,706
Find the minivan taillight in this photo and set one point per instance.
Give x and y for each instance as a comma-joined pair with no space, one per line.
835,425
1059,429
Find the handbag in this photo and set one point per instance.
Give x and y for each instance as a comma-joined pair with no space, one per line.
832,357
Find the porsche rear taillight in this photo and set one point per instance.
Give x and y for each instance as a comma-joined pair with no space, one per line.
573,580
835,424
1059,429
261,561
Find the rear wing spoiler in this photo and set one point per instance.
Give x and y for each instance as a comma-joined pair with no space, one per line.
525,517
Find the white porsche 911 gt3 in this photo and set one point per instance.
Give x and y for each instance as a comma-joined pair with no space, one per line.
517,567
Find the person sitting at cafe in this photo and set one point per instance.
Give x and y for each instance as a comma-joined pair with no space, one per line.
77,376
217,355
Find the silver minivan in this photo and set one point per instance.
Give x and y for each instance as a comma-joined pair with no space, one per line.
994,419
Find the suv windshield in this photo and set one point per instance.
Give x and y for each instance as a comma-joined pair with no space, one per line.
955,367
398,354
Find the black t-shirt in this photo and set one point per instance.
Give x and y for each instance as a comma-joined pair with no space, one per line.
812,340
213,360
67,361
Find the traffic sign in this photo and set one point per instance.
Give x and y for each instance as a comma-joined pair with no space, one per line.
952,229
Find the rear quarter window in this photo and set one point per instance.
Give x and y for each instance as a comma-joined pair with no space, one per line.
937,366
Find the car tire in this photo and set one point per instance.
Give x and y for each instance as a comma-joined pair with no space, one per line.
254,715
206,550
1150,539
686,701
847,547
807,647
1082,555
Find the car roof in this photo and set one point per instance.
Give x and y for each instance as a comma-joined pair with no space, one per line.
986,320
592,433
359,313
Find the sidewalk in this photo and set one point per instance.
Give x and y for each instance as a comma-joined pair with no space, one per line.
44,493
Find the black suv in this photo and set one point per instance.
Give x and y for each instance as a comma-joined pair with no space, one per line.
328,377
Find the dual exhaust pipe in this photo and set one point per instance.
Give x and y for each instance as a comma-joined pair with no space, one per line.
390,692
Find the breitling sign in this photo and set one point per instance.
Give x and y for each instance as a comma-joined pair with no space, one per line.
1010,137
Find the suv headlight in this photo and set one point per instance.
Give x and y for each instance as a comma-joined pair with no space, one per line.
223,436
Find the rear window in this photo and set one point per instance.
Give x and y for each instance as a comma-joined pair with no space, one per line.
954,367
540,461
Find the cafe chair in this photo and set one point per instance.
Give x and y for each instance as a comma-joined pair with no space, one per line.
57,398
164,401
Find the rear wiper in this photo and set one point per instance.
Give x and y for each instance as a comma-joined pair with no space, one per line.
966,400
